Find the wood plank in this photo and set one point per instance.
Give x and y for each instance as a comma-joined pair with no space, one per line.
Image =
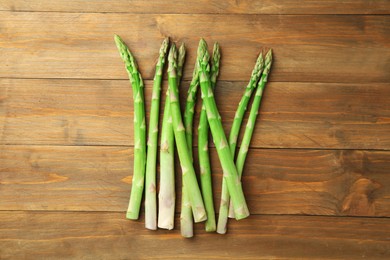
203,6
99,112
311,48
275,181
108,235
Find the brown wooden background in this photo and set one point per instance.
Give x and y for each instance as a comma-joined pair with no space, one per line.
317,175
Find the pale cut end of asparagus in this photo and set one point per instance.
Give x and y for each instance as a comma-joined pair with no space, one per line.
164,219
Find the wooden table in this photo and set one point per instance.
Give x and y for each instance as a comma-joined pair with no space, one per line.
317,175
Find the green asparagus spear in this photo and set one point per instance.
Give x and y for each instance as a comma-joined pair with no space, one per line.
203,151
225,198
166,195
186,222
166,215
187,167
151,160
239,116
139,129
242,153
229,168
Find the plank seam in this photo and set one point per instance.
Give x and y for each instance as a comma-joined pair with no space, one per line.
188,80
227,14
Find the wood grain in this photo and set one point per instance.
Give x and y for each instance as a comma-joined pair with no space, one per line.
317,174
66,235
99,112
276,181
307,48
204,6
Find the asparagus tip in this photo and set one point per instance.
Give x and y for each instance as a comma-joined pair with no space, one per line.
260,59
268,63
172,59
203,54
164,47
258,67
181,54
216,52
268,57
118,40
202,41
202,46
216,46
215,63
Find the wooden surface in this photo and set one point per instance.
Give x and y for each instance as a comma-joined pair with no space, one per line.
317,175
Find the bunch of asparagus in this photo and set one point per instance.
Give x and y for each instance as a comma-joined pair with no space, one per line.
177,132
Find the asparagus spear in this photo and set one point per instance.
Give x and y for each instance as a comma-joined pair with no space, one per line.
229,168
242,153
151,160
239,116
139,129
187,167
203,151
166,195
225,198
166,210
186,223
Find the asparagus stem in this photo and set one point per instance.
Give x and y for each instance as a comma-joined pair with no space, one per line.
187,167
235,129
242,153
139,129
151,160
190,107
186,222
229,168
203,151
166,195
